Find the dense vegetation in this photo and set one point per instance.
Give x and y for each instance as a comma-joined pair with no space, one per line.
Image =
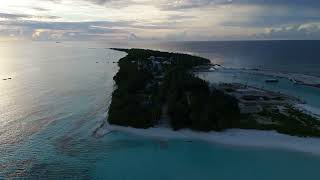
127,107
185,60
191,103
291,121
145,93
140,98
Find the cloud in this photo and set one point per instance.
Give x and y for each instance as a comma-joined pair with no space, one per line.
176,36
193,4
65,25
309,31
25,16
161,19
267,20
40,9
95,30
107,3
13,16
103,2
300,3
273,14
185,4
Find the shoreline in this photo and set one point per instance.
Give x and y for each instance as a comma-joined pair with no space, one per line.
302,79
307,109
234,137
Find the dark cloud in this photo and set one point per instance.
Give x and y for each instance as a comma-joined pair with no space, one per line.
180,17
299,3
102,2
95,30
191,4
65,25
13,16
95,27
274,13
106,3
186,4
40,9
261,21
24,16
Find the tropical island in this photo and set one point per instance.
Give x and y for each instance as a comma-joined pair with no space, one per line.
154,88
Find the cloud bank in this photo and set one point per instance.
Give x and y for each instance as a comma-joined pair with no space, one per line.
179,20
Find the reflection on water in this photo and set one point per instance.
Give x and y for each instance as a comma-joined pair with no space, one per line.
55,91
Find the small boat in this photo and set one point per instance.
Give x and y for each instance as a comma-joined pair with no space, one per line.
293,80
272,80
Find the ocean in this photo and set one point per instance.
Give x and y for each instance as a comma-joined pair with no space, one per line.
283,56
59,93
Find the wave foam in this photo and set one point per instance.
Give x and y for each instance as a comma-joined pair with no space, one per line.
238,137
294,77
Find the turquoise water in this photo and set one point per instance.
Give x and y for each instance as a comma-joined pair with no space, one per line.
311,95
58,96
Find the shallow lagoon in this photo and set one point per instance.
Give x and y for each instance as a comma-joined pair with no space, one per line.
311,95
58,97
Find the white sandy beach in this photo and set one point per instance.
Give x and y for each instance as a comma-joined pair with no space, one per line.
313,111
238,137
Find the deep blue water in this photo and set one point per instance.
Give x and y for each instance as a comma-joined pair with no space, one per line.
58,96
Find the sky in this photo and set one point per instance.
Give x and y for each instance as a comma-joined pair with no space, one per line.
168,20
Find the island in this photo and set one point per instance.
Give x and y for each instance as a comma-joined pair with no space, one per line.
154,88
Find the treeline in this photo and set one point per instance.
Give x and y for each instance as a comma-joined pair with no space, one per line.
185,60
138,100
292,122
128,106
191,103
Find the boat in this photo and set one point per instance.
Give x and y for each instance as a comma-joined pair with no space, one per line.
272,80
293,80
